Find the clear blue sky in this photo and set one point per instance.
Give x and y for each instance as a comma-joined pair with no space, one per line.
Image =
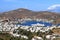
36,5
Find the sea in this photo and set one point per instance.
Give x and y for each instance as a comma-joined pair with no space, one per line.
29,23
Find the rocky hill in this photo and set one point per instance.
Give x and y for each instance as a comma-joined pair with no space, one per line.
25,13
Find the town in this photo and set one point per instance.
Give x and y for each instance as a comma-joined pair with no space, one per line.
34,32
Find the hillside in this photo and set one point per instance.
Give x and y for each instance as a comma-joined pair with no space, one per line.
25,13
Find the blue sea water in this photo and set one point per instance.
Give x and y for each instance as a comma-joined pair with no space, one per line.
58,24
29,23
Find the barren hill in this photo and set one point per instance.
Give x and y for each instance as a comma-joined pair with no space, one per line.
25,13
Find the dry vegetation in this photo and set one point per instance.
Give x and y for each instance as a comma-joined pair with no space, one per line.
56,30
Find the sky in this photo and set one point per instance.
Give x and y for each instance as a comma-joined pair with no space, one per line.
35,5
